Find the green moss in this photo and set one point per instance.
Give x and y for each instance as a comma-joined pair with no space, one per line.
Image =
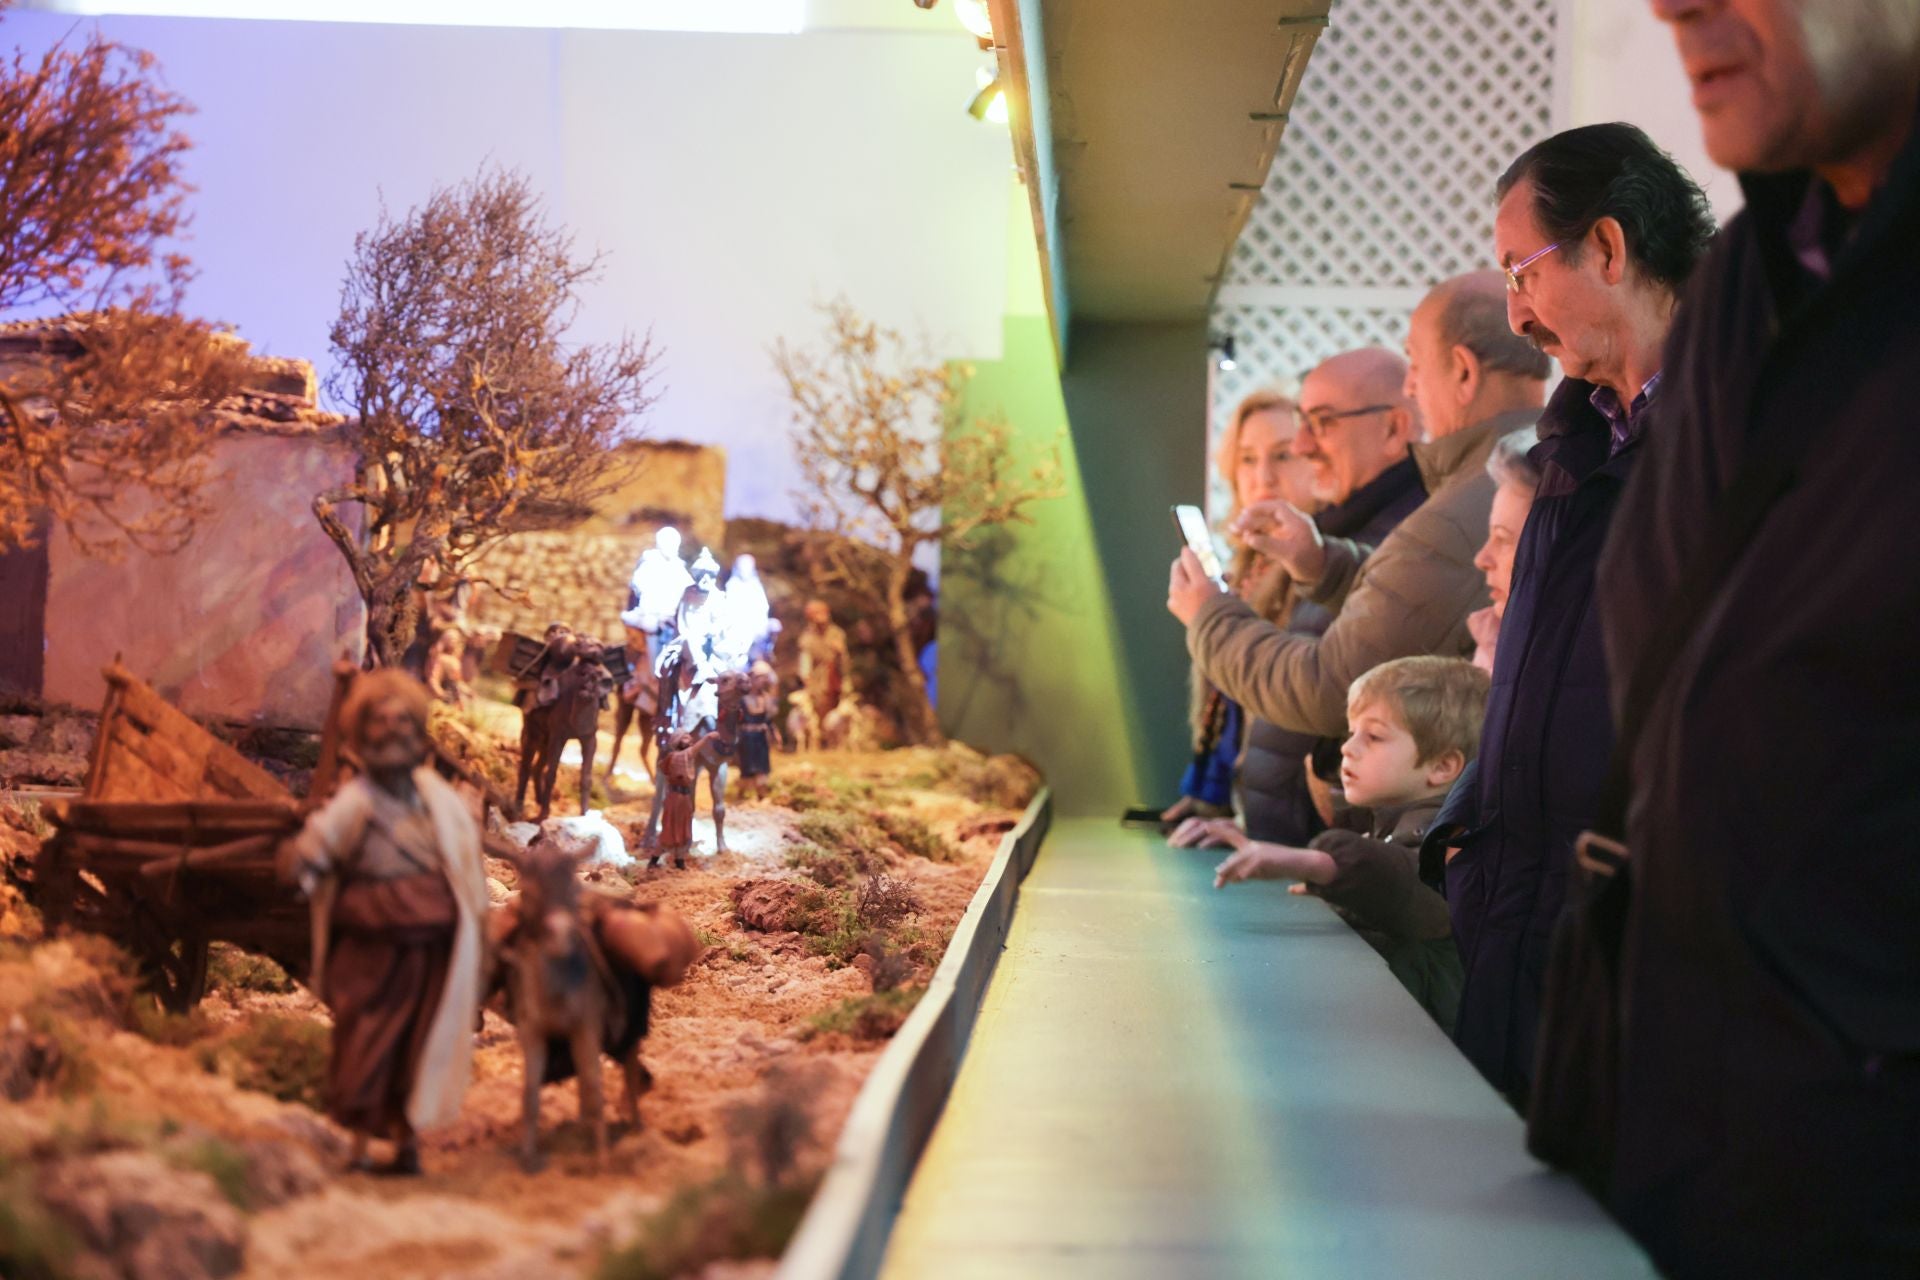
822,866
148,1019
852,835
227,1167
914,835
237,970
283,1056
869,1017
34,1244
725,1219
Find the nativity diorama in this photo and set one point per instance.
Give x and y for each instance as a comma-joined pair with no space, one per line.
512,865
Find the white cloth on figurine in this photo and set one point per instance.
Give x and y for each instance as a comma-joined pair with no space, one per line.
659,580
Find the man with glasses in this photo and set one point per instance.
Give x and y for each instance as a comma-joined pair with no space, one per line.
1411,595
1597,230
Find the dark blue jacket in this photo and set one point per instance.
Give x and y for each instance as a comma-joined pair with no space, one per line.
1544,747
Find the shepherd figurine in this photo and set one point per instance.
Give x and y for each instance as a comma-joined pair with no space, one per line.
392,863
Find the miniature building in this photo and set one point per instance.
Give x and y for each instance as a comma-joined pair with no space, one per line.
245,621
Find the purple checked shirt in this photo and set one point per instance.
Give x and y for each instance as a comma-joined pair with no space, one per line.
1623,424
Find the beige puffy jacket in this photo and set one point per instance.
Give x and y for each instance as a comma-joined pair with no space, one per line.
1411,596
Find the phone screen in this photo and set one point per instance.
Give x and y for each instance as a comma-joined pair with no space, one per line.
1193,527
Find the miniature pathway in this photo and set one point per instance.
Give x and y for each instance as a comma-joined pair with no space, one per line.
1171,1081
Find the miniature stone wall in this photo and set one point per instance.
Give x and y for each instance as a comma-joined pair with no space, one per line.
579,574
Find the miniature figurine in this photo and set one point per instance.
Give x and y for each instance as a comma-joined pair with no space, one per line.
756,728
803,726
751,625
699,621
447,669
639,699
679,767
392,866
654,594
580,971
823,658
573,714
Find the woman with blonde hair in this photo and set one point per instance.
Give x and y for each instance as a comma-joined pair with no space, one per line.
1236,757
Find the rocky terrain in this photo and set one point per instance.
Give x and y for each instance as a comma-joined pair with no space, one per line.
140,1144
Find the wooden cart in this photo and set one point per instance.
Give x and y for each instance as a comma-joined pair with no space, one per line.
171,844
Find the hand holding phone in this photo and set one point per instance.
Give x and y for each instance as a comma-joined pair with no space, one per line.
1193,529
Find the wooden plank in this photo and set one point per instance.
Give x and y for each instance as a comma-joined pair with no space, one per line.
223,771
131,778
97,765
170,771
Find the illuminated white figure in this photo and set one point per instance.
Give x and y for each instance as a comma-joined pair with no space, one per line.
699,619
749,616
659,580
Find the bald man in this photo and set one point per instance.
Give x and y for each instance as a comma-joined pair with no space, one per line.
1413,593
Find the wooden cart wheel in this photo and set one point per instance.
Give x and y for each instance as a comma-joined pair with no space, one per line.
173,965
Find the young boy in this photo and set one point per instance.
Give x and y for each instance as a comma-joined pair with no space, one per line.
1415,725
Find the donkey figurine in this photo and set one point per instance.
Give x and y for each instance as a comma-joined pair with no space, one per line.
639,699
569,1003
574,714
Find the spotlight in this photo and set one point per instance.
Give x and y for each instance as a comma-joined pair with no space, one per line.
974,17
1225,364
989,102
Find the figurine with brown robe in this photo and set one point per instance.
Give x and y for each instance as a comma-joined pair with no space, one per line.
392,862
679,767
823,658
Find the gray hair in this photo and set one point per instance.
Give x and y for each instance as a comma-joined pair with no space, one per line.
1511,463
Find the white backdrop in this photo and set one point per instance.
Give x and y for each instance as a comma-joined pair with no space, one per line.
732,180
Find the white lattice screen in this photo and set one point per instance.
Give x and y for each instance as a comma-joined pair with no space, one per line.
1383,184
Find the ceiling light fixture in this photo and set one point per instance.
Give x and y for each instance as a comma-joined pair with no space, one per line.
990,100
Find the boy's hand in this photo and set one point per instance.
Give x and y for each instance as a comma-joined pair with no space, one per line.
1248,863
1207,833
1257,860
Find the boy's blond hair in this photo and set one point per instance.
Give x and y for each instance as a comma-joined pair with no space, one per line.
1441,701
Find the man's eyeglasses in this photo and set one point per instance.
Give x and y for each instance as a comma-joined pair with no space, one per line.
1512,273
1321,421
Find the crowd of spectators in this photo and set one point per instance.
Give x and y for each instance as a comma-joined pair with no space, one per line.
1594,713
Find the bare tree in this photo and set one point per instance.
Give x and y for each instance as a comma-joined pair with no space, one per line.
890,460
451,350
105,428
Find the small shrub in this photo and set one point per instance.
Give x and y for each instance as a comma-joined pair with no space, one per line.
830,920
800,794
852,835
285,1057
154,1023
237,970
872,1017
884,902
822,866
887,968
725,1219
914,835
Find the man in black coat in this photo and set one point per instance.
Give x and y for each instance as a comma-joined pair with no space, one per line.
1598,230
1769,1088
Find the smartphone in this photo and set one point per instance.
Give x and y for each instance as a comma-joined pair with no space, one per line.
1139,817
1193,528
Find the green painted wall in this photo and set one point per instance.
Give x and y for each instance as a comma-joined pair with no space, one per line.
1055,642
